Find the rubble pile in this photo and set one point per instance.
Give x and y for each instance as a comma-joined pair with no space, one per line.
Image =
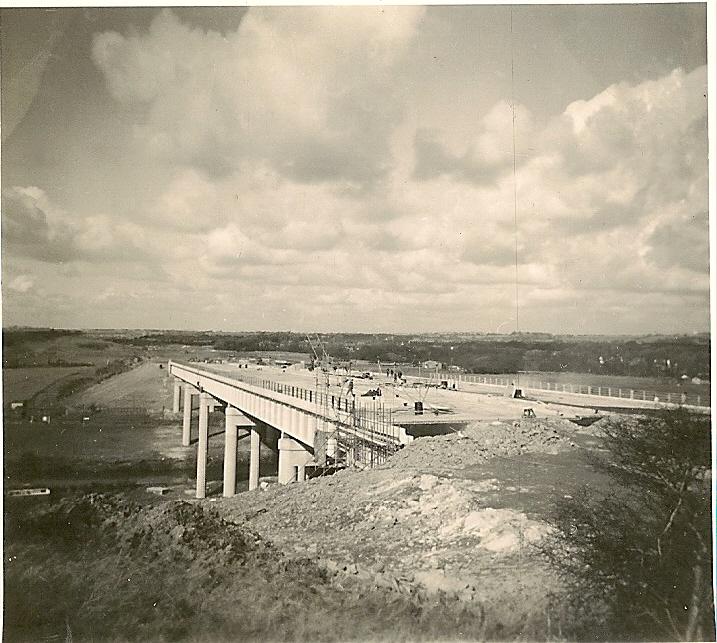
481,441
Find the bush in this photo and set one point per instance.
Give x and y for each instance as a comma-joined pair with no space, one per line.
640,559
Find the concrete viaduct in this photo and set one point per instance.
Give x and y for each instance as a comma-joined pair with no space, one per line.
305,418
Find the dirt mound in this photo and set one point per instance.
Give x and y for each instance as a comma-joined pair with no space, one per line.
480,441
415,542
417,524
411,531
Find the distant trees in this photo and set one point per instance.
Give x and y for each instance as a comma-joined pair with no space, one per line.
638,562
474,353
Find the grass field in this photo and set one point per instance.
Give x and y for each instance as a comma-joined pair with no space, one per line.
24,383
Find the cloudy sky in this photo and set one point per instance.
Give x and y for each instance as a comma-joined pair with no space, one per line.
353,168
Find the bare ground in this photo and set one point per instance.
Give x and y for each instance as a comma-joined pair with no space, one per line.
423,522
146,386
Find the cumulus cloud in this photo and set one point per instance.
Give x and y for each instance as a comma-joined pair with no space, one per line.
34,227
619,177
290,87
291,157
680,242
481,160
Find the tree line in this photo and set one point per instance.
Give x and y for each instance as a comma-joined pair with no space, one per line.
663,357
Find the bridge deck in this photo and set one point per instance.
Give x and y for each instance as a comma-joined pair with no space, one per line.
328,408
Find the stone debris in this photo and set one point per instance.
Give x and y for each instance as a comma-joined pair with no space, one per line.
158,491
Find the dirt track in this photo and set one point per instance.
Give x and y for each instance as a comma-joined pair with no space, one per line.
145,386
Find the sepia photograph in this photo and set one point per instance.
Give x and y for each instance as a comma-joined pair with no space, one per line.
358,323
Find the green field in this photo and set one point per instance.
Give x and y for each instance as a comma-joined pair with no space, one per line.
25,383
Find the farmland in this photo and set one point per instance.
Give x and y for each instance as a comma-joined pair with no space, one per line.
28,383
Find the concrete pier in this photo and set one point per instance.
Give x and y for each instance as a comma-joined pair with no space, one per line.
234,420
187,419
232,417
254,459
176,396
293,458
205,401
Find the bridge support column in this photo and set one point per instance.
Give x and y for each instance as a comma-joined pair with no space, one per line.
176,396
205,401
232,416
234,419
189,390
293,458
254,454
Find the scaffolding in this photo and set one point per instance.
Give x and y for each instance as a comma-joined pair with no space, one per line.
351,434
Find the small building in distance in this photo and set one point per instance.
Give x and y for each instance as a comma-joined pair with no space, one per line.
431,363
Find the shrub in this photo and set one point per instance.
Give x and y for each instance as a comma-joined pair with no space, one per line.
638,562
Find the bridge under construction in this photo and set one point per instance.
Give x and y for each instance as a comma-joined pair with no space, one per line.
328,418
321,428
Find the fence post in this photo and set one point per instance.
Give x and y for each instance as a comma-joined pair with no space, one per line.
669,398
632,394
619,392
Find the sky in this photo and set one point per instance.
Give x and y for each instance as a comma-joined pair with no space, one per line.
373,169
